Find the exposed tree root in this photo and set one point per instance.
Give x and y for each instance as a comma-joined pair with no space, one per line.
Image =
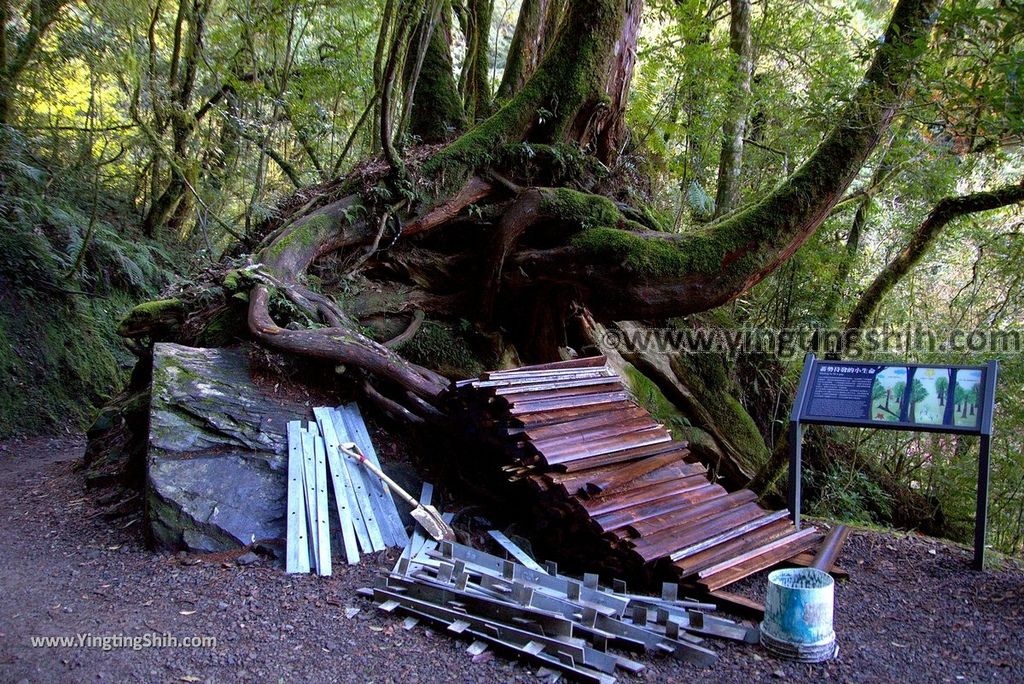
475,190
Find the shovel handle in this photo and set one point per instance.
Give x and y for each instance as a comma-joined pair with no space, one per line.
354,452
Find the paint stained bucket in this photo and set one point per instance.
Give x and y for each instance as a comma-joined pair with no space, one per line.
798,615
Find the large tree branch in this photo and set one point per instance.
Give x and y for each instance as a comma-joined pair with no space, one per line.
678,274
945,211
285,260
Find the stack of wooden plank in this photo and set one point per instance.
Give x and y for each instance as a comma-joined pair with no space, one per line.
367,518
615,489
563,623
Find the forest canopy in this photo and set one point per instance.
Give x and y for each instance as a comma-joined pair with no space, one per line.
410,191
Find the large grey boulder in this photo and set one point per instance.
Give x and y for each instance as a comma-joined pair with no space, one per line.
215,469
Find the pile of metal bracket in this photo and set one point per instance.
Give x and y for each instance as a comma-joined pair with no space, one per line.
367,518
564,624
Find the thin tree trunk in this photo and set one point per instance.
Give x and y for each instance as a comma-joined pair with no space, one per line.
475,82
387,19
525,50
730,163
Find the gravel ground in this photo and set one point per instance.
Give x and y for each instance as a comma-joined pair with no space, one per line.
912,609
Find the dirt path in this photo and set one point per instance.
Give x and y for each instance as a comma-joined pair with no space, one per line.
912,610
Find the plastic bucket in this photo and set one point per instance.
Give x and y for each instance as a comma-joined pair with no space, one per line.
798,615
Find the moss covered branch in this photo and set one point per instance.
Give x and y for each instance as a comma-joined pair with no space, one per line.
945,211
679,274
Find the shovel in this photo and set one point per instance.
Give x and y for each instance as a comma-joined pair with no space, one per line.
427,516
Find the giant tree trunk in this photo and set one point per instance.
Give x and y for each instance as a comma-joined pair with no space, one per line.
489,230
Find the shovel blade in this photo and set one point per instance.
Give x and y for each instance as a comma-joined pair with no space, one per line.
430,520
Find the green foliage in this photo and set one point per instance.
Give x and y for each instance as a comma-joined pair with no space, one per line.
445,348
847,495
60,355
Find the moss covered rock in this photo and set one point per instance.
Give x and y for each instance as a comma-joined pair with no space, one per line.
215,469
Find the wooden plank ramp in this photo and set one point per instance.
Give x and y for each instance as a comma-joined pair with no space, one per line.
614,484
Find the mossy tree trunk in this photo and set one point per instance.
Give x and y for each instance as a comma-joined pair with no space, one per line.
734,128
526,48
437,113
474,81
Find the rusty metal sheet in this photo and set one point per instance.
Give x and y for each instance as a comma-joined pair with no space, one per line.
623,456
609,429
568,402
619,416
630,473
609,445
584,362
676,471
734,547
542,393
757,559
617,519
512,382
651,526
728,535
644,495
544,418
699,531
574,482
575,383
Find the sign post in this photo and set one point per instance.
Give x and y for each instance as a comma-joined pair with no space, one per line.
907,396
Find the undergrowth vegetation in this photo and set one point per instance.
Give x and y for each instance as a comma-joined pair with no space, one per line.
67,276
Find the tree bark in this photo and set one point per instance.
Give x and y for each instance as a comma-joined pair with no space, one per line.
607,132
734,127
945,211
556,102
475,77
437,111
526,49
